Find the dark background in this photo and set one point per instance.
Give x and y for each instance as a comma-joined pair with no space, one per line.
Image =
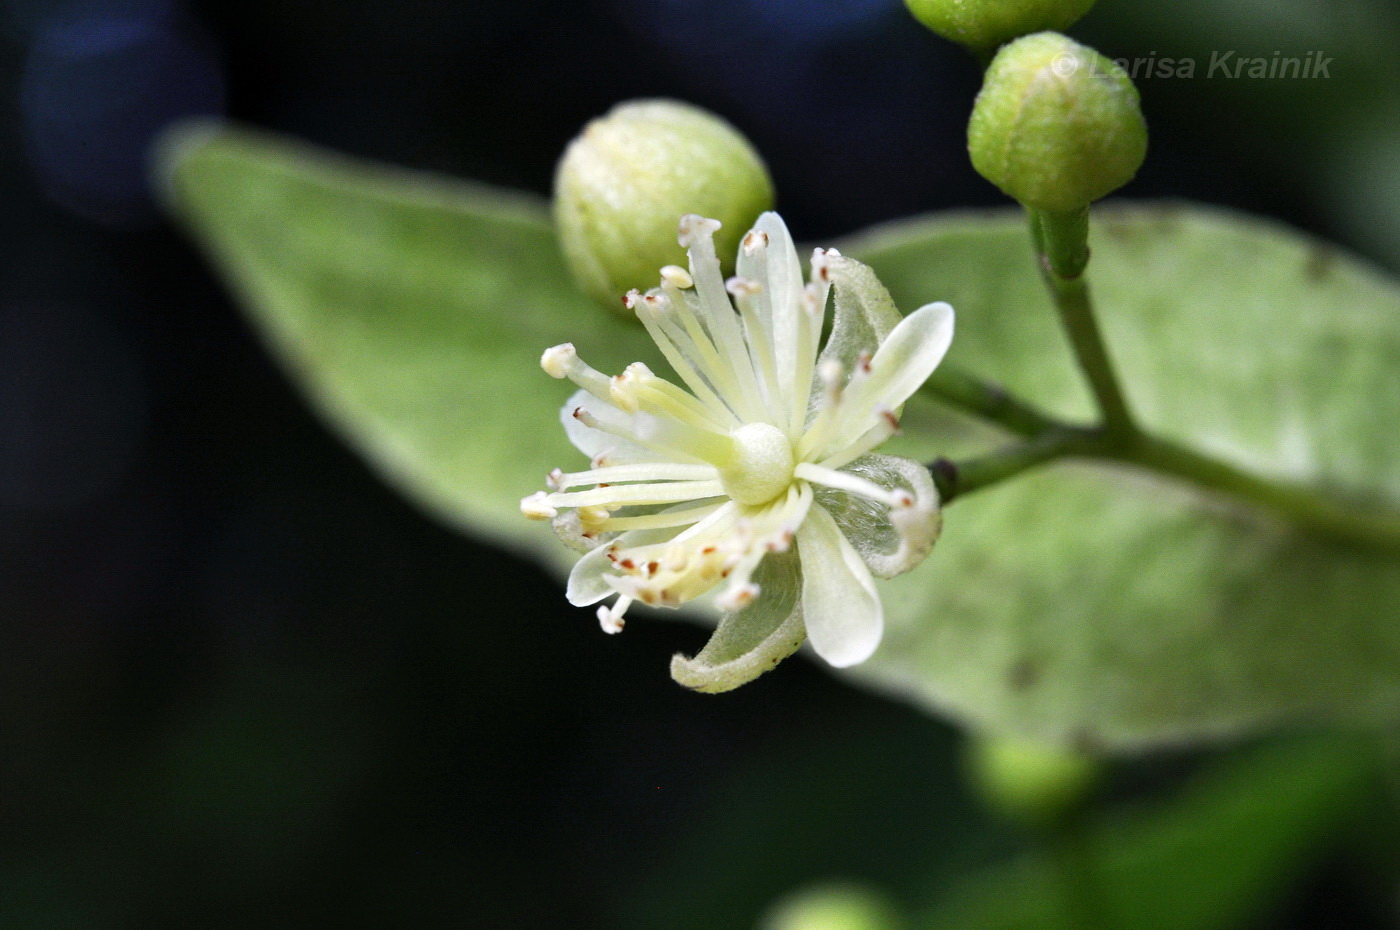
242,683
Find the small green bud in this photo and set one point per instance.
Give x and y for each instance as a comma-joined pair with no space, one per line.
984,24
834,907
626,180
1056,125
1031,783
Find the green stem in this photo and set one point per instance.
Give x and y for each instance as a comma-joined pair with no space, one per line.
1303,506
1062,243
1072,857
954,480
988,400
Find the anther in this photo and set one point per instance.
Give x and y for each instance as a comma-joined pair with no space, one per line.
610,618
555,479
754,240
676,276
535,508
693,225
556,359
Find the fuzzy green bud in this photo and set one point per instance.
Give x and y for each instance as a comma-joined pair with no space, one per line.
984,24
1056,125
1030,783
626,180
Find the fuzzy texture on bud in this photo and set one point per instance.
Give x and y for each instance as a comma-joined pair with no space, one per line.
985,24
623,181
1056,125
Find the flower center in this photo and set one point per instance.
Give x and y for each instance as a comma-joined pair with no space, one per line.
762,465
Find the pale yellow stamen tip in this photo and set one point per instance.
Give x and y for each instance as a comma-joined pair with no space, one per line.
693,225
556,359
676,276
535,508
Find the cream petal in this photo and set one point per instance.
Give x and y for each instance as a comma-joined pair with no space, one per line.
902,363
751,641
863,313
588,579
890,542
594,442
840,607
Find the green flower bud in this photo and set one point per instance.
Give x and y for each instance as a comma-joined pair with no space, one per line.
626,180
985,24
1030,783
1057,125
834,907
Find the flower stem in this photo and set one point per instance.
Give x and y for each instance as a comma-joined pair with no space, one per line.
989,400
1371,528
1061,242
1072,858
1308,508
955,479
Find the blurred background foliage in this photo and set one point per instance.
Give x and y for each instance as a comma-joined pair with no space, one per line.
242,683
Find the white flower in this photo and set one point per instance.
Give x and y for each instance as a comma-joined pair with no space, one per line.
757,477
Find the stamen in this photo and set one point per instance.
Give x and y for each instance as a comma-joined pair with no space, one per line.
664,520
624,495
637,388
713,307
718,371
535,507
672,342
562,361
845,481
642,471
885,426
677,441
593,518
611,618
693,225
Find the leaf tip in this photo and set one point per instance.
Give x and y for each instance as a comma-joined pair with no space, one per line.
173,149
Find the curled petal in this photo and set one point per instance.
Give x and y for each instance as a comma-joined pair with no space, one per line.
891,541
840,608
750,641
864,313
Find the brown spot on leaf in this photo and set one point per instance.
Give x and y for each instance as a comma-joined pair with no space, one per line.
1024,675
1320,263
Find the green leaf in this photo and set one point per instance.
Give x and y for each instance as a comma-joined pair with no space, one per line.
1082,603
1115,609
1210,859
411,309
